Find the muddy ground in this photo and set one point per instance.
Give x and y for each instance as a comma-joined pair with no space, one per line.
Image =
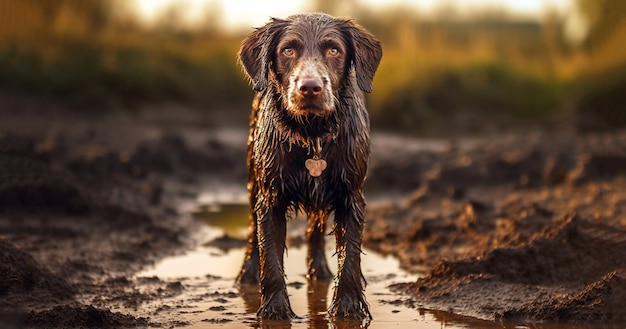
527,225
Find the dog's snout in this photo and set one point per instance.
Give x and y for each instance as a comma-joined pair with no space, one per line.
310,87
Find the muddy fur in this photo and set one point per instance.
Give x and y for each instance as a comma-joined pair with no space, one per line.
309,72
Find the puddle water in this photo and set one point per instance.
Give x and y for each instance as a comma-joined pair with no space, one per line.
208,274
210,299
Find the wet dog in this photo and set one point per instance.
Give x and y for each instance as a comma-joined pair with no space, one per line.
308,150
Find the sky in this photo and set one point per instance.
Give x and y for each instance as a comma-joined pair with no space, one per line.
251,13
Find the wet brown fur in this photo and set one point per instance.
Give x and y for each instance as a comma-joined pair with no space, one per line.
285,124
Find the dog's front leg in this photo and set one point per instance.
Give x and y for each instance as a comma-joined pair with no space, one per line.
271,231
349,296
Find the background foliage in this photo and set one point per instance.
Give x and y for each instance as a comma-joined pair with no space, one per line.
442,72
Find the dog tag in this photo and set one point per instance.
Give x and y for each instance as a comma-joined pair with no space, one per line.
315,166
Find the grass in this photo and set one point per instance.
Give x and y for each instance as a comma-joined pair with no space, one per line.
132,71
433,72
482,90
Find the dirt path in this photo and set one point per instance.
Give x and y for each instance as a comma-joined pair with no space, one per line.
524,226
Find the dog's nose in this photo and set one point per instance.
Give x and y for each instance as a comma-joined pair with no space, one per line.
310,87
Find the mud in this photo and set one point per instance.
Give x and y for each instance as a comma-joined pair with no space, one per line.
525,226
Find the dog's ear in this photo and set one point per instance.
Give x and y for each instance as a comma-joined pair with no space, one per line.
257,50
366,56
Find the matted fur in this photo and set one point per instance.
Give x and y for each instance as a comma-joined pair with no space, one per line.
310,72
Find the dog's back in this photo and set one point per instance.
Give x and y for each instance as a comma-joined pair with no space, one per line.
308,149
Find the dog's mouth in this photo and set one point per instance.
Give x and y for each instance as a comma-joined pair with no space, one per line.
301,105
310,108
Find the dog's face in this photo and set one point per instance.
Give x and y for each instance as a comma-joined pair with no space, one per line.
308,58
310,63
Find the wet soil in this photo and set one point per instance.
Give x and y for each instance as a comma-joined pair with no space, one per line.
525,226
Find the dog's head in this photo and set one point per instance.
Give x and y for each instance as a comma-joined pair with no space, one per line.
309,58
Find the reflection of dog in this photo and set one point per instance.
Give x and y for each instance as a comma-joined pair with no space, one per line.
308,150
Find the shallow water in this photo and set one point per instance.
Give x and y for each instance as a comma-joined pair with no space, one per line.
217,268
208,275
210,298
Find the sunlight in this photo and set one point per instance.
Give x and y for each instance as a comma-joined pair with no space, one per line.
246,13
529,8
233,13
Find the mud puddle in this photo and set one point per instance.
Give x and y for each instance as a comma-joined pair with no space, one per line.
208,273
210,298
205,274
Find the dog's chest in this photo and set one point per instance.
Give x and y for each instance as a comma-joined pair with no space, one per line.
314,188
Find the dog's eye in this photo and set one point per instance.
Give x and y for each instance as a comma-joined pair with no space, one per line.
289,52
332,52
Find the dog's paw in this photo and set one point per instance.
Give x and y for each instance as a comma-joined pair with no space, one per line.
350,308
276,307
318,270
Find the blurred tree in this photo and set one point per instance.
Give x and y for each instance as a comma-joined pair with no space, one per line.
334,7
602,17
172,19
96,12
602,86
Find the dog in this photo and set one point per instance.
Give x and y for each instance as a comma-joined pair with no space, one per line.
308,150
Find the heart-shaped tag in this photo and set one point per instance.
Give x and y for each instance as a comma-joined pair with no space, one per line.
315,166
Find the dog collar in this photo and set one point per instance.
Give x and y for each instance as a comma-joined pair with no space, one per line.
316,165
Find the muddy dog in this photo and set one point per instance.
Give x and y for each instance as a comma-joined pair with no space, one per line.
308,150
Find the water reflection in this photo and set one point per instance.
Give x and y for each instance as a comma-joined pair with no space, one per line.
232,219
316,318
309,298
317,292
